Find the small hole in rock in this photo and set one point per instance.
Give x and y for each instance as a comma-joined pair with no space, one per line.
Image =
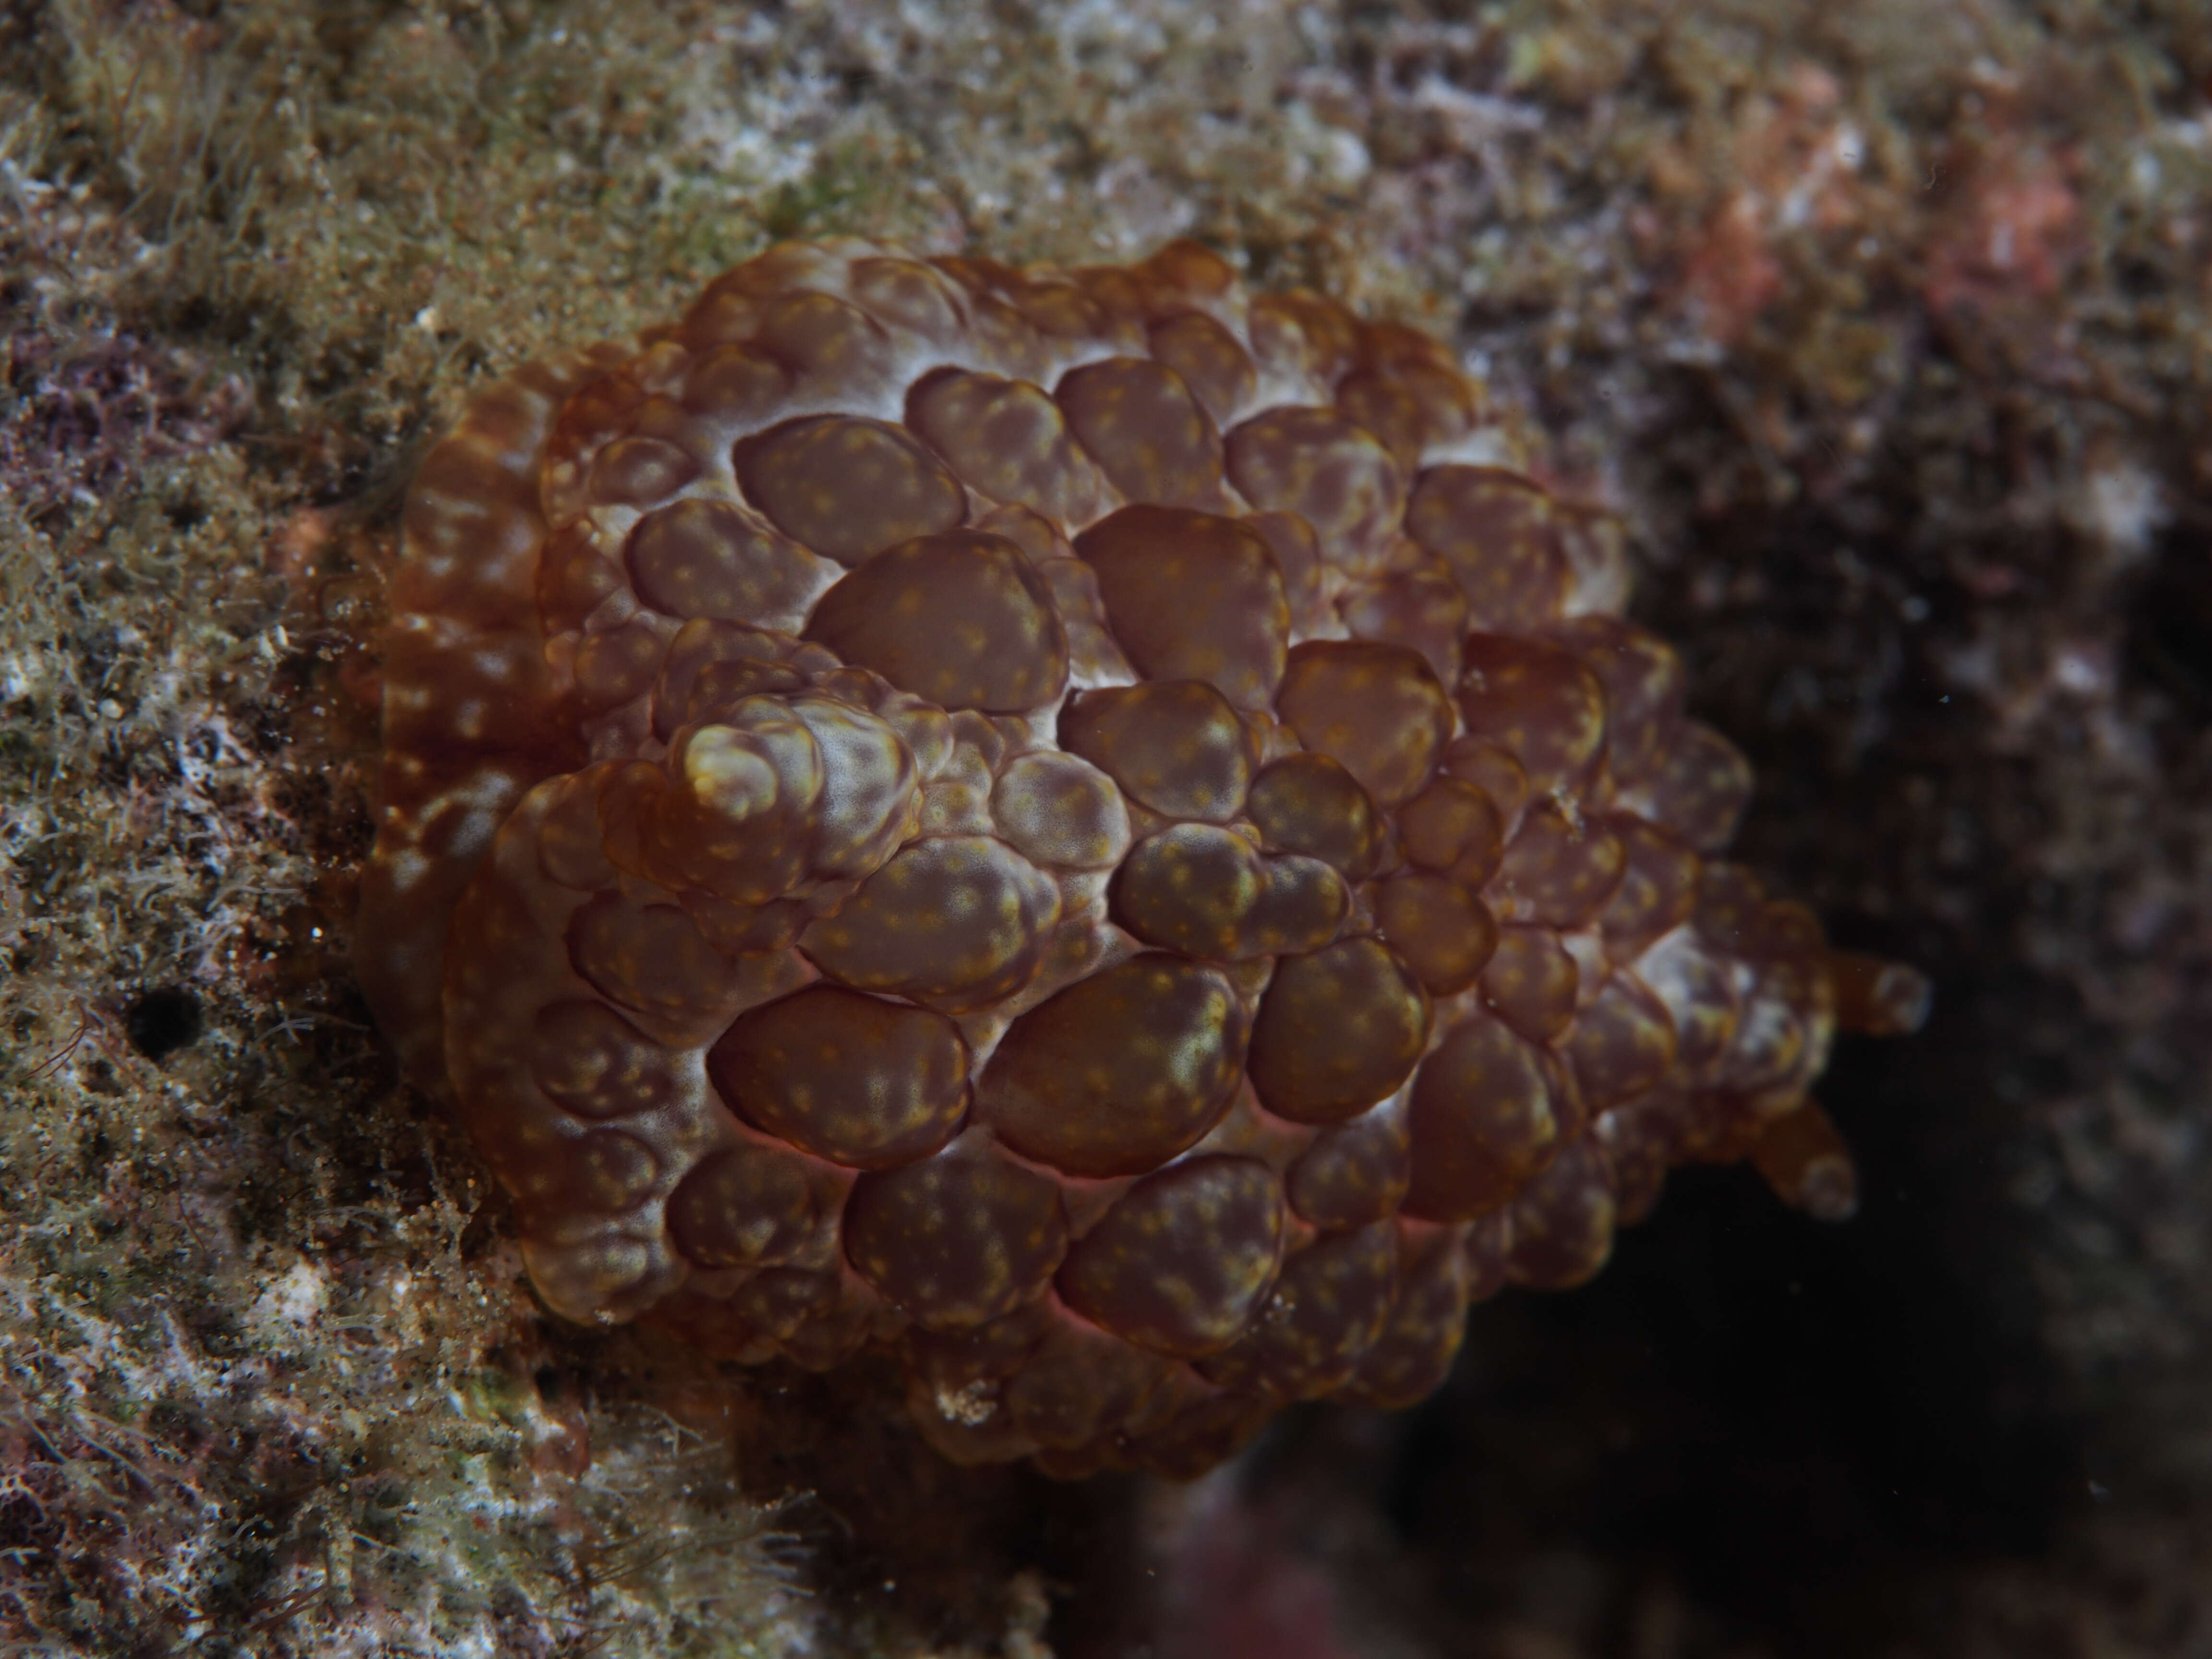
163,1020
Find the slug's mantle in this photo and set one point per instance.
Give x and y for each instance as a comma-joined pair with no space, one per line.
1080,826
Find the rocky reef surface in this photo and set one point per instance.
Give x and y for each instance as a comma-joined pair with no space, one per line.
1884,330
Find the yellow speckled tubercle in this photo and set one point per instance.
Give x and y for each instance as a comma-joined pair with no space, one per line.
1072,825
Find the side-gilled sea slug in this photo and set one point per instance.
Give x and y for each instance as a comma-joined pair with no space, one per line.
1078,827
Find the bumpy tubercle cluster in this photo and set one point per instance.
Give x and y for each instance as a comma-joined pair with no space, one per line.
1084,826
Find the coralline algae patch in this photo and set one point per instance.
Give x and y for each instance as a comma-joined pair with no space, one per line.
1078,826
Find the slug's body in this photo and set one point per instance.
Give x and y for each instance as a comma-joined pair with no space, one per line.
1078,825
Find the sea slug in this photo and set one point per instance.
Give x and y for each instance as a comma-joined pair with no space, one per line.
1083,827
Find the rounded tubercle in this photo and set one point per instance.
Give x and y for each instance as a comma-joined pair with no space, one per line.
1877,996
